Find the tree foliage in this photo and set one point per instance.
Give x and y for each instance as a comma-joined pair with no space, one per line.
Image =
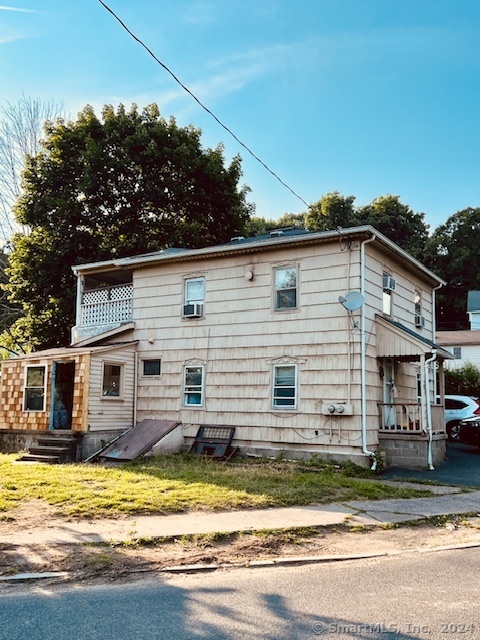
386,213
330,212
8,311
257,225
398,222
464,381
125,184
452,252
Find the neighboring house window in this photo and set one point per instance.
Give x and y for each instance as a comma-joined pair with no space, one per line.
193,386
112,380
34,395
194,297
152,367
285,386
457,353
387,294
285,288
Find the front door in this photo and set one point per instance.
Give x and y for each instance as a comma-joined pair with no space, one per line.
61,402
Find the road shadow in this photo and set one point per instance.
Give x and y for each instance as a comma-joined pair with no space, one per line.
163,610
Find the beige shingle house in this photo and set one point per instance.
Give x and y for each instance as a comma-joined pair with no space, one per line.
307,343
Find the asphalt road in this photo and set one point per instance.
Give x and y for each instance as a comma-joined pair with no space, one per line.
407,597
461,468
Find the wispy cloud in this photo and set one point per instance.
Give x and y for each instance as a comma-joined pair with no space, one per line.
17,9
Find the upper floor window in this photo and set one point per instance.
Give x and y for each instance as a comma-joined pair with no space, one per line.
34,393
285,386
286,284
194,299
389,285
419,317
193,386
418,302
112,380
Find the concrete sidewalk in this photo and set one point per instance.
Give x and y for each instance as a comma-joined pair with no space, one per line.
447,501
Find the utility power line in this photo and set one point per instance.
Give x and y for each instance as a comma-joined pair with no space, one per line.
150,52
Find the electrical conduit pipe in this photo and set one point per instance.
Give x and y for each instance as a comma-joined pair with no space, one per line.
363,371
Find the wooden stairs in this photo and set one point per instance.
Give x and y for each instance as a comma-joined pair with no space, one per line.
55,447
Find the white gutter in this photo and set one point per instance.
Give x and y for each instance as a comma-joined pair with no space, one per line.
363,372
428,409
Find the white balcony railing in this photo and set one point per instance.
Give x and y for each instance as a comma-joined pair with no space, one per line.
108,305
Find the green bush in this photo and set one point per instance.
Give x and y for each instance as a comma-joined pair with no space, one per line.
464,381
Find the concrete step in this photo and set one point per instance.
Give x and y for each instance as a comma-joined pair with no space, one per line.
64,454
30,457
49,441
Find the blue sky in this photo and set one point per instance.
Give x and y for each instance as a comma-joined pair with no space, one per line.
365,97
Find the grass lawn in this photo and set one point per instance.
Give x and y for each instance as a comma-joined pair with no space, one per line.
168,484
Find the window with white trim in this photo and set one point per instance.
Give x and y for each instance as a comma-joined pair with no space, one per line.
286,282
194,297
457,353
285,383
112,380
193,388
387,295
34,391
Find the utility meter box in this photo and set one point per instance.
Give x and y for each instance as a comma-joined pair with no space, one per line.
337,409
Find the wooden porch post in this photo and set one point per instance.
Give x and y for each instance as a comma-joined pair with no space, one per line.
423,398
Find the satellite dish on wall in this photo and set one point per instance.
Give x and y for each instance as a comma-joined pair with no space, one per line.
352,300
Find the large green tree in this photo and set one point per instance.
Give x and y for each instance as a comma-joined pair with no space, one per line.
452,252
333,210
130,182
386,213
398,222
8,312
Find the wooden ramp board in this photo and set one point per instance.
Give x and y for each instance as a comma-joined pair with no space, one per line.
139,440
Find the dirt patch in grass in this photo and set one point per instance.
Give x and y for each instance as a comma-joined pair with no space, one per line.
121,563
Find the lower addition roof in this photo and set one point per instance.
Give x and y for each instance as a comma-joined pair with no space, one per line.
394,340
67,353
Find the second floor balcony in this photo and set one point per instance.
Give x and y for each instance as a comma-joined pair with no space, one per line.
106,305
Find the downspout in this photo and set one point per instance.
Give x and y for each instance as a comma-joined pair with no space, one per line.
434,336
363,372
135,388
428,409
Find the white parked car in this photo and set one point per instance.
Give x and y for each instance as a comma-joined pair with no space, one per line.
458,408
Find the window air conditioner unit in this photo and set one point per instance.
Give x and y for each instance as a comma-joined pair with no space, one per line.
419,321
194,310
389,283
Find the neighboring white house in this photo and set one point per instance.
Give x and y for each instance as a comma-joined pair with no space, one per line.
464,344
307,343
